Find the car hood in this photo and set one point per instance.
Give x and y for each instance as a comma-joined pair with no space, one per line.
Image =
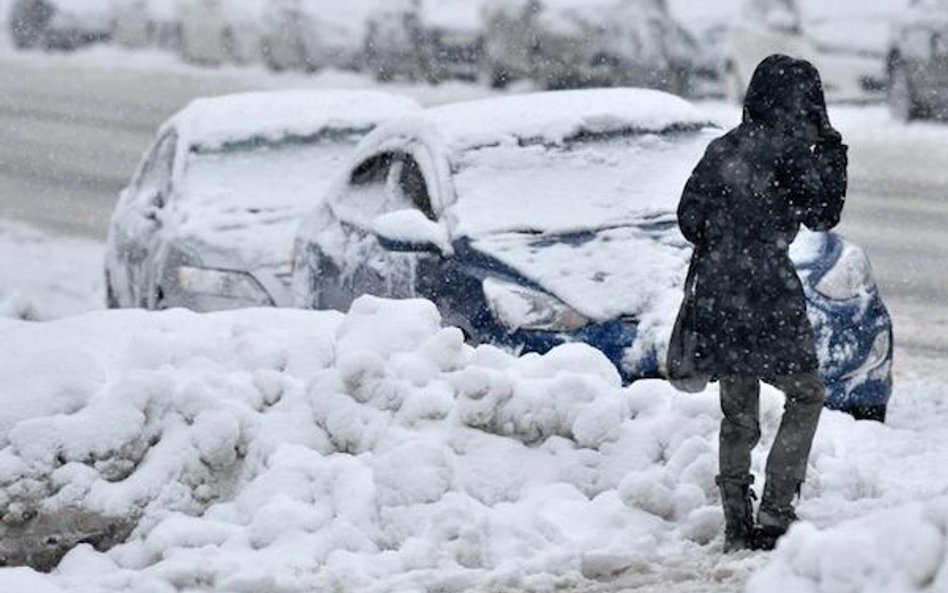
635,271
604,274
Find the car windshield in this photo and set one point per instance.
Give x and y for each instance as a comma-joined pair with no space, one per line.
588,183
259,176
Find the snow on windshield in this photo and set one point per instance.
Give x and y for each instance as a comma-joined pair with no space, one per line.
227,194
577,185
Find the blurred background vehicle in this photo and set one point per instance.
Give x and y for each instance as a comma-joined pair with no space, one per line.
579,43
452,39
313,34
709,24
433,40
517,217
146,23
58,24
208,219
203,31
845,39
917,64
215,32
394,41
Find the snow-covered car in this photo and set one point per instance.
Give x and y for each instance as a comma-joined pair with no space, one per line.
536,220
208,219
438,40
917,63
312,34
221,31
845,39
142,23
571,43
59,24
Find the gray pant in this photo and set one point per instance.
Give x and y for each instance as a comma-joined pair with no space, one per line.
740,432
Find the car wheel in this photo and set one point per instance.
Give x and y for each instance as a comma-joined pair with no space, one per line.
902,101
876,413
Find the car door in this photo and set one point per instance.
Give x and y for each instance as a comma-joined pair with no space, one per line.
137,228
388,183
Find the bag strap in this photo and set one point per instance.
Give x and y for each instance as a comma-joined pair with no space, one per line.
692,278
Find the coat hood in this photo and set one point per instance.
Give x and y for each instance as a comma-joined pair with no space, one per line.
786,94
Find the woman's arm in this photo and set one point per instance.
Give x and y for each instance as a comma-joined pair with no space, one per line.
816,182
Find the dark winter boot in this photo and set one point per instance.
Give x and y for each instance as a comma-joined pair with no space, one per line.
776,513
737,498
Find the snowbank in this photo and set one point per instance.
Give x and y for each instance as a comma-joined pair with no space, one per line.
286,450
289,451
902,550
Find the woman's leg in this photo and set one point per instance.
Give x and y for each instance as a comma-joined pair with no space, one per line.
740,432
786,464
740,427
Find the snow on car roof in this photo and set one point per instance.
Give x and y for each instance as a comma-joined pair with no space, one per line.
552,117
212,121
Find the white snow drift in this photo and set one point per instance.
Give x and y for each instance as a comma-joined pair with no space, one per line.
291,451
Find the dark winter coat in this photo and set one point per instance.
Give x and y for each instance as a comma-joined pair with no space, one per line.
742,207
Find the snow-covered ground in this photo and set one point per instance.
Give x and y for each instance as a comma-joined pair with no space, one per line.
283,450
46,277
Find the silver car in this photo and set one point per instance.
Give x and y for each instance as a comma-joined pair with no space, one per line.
208,219
579,43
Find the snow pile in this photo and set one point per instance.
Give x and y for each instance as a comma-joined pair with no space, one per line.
902,550
286,450
43,278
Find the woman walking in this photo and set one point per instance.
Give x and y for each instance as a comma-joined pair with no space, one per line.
742,207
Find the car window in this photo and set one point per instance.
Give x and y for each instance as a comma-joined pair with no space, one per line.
154,179
375,188
412,186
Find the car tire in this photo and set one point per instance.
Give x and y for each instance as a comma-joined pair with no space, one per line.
903,104
875,413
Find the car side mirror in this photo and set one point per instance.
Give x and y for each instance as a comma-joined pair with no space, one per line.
411,231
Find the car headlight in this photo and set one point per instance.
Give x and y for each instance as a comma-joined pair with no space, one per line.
850,276
519,307
223,283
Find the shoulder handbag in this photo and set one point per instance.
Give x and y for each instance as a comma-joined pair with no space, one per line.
682,347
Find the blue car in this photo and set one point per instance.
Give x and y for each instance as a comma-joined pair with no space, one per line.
536,220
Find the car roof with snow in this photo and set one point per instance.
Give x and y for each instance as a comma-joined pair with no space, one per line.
547,117
214,121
